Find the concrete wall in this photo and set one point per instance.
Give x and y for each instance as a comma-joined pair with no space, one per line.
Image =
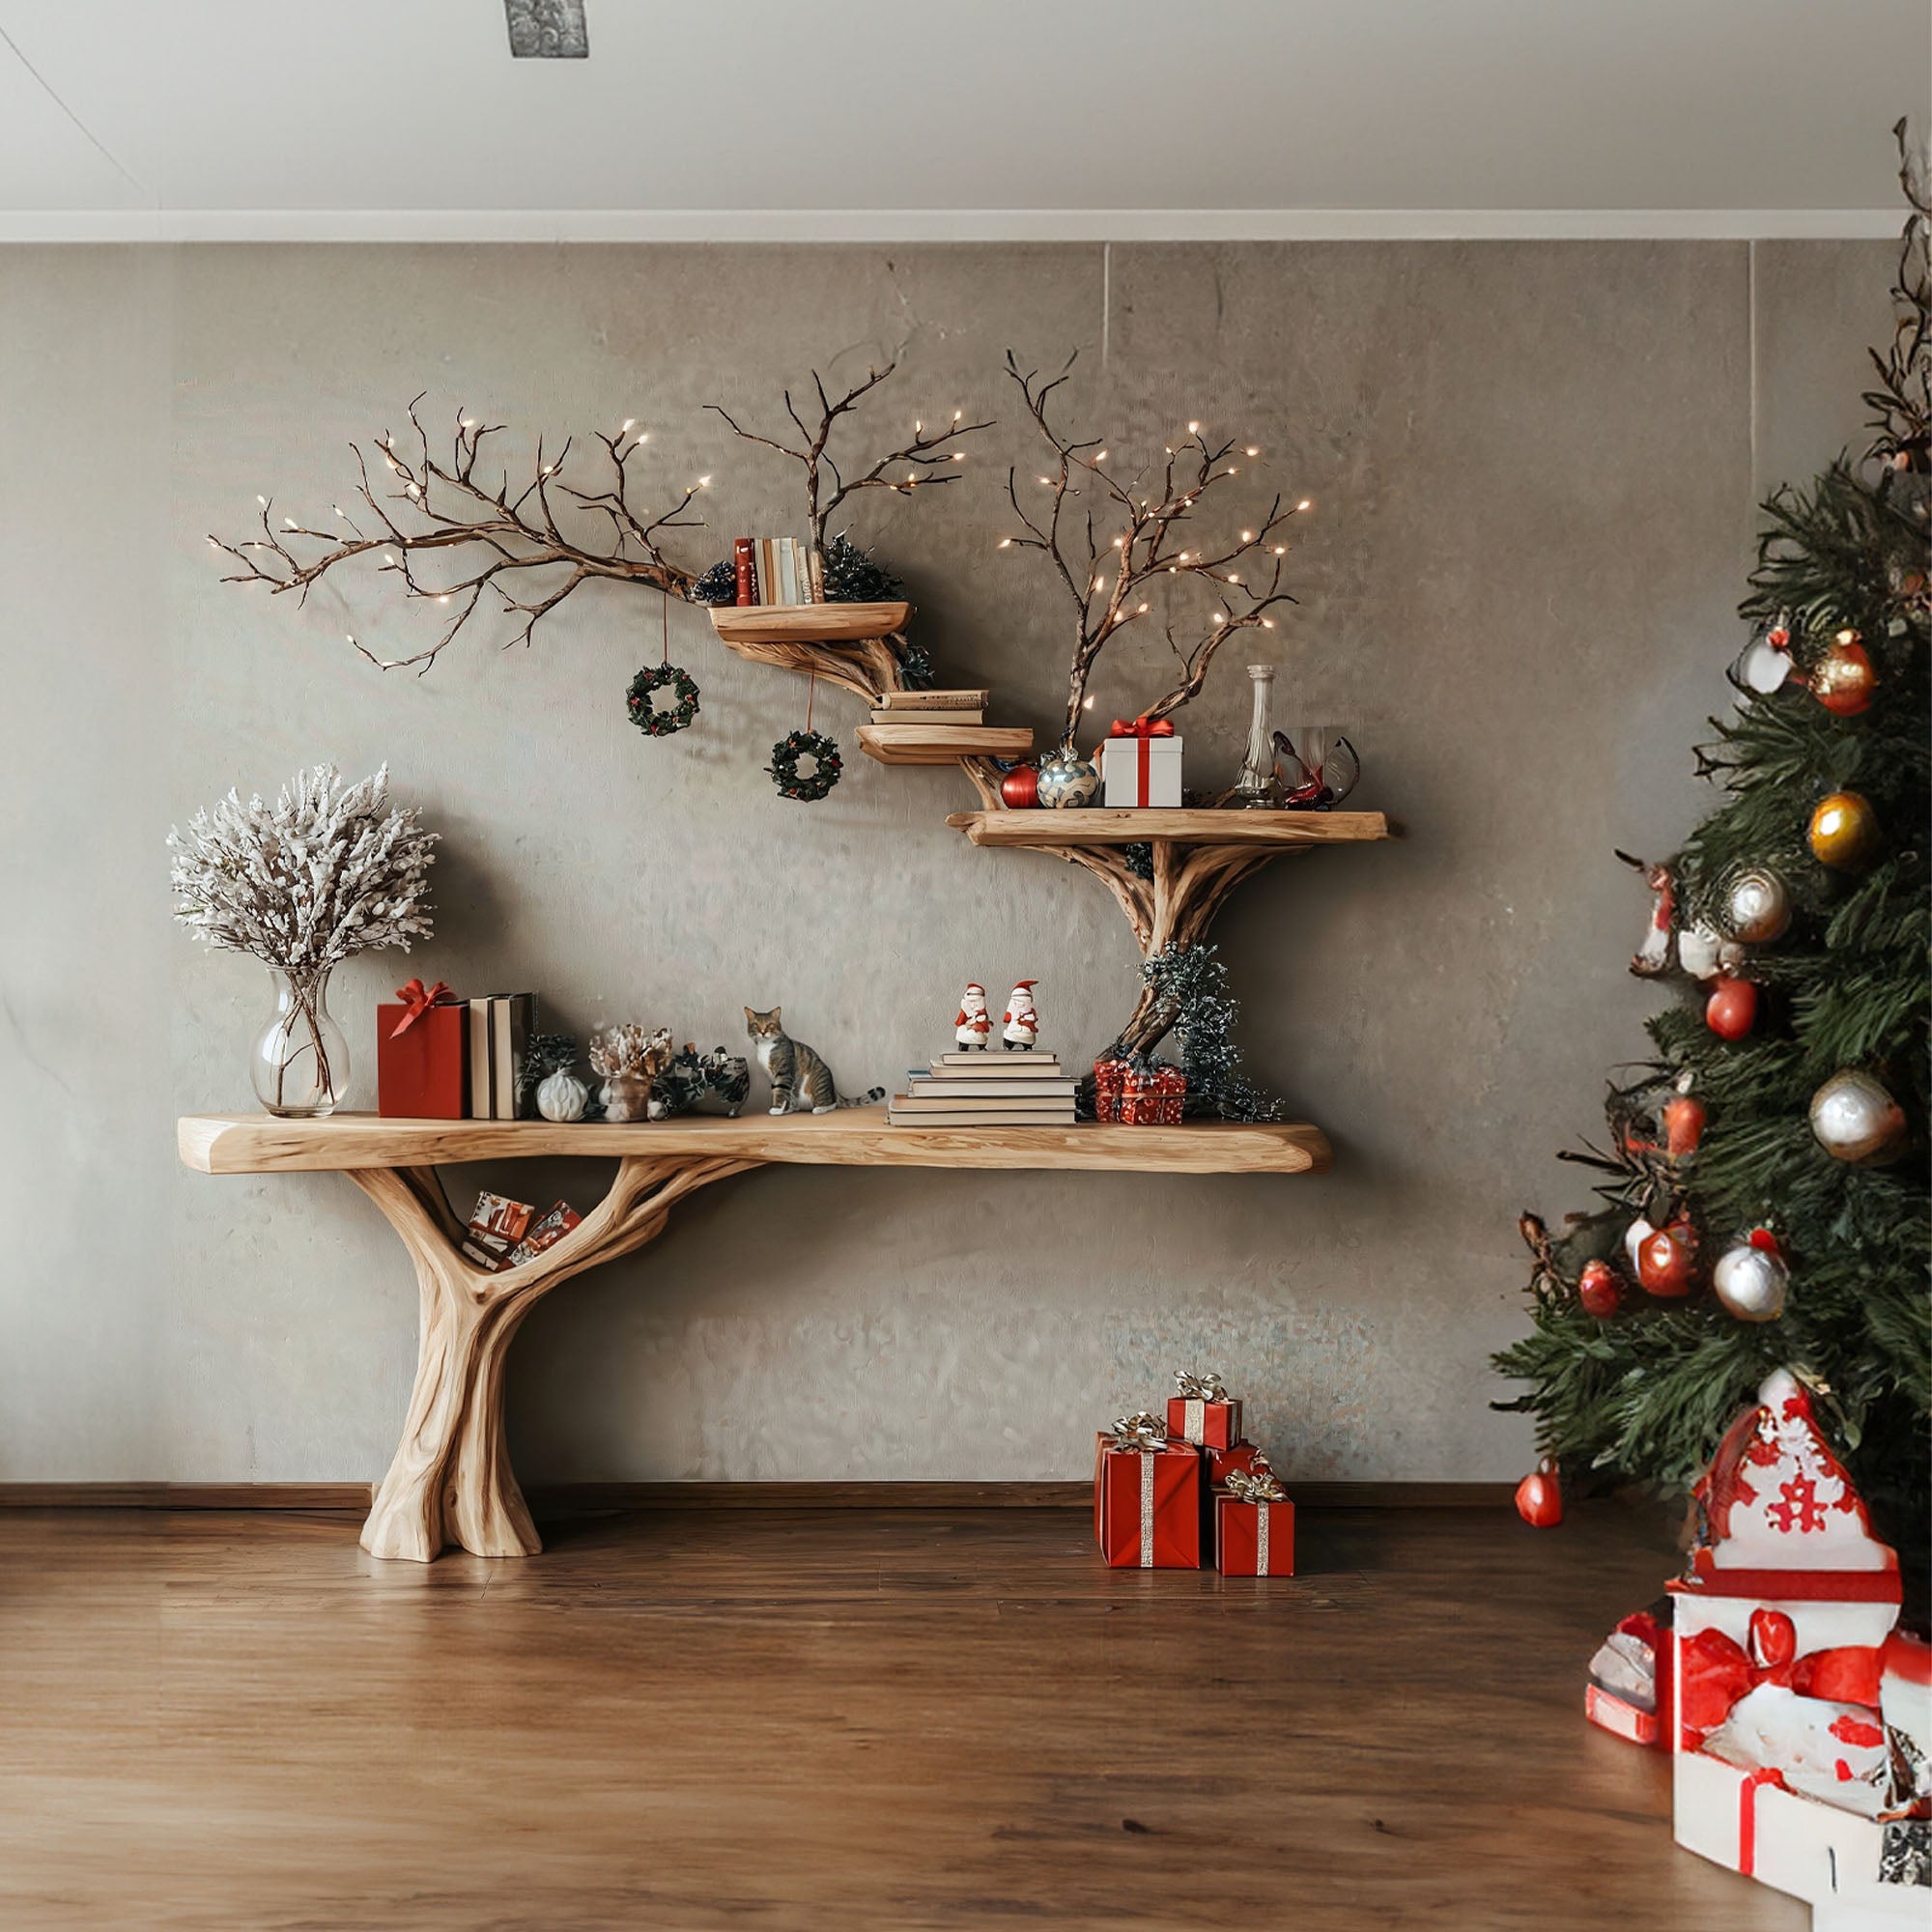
1533,467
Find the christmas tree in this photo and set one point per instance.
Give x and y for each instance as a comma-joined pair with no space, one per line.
1763,1188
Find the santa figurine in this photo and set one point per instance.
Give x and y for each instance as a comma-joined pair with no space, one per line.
1022,1018
975,1022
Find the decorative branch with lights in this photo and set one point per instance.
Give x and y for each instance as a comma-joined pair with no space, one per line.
1109,576
924,460
441,504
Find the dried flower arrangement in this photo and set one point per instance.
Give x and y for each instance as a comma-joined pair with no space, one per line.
328,871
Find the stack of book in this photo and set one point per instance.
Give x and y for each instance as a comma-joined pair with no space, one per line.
985,1089
931,707
500,1029
777,570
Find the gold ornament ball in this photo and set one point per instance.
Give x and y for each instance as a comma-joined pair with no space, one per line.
1854,1119
1757,907
1751,1283
1844,832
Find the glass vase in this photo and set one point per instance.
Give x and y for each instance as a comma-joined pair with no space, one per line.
301,1063
1256,785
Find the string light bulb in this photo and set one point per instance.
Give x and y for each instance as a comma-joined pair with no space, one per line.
1268,623
263,500
704,482
1304,504
959,415
643,438
1252,450
1193,429
630,424
1247,536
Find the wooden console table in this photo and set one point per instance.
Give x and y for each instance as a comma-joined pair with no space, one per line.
451,1479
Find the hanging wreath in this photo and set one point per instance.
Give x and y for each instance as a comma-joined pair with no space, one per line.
823,751
649,718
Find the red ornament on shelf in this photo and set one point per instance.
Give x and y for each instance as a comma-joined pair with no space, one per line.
1667,1259
1844,680
1683,1119
1539,1497
1019,789
1598,1291
1732,1011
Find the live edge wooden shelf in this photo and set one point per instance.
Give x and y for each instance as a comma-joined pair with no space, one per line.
451,1479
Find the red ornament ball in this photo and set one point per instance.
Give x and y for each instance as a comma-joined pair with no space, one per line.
1539,1499
1732,1011
1844,679
1019,789
1683,1124
1598,1291
1667,1259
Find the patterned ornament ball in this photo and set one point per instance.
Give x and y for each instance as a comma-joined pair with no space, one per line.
1539,1497
1066,781
1844,679
1751,1278
1854,1119
1844,832
1666,1259
1757,907
1599,1291
1732,1011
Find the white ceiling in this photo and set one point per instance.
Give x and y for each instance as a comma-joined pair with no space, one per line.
915,119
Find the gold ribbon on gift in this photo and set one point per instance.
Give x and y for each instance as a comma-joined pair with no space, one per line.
1192,1387
1138,1433
1261,1485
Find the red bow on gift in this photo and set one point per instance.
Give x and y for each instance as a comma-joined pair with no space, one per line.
417,998
1141,727
1714,1671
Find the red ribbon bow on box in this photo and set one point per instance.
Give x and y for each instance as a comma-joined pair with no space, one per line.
417,998
1145,729
1714,1671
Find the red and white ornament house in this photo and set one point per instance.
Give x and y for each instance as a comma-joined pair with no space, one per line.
1800,1757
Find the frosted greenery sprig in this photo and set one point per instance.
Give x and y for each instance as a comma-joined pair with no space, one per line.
326,871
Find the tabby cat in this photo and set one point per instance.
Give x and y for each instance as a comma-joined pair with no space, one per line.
800,1078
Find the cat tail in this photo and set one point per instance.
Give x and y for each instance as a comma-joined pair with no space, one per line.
869,1098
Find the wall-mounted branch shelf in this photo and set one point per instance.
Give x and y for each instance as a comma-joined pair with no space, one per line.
846,644
943,744
451,1479
1197,857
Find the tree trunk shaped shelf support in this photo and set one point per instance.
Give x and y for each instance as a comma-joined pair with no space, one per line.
451,1479
856,646
1197,857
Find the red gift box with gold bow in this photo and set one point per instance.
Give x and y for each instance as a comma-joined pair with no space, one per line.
422,1054
1146,1508
1140,763
1201,1411
1254,1525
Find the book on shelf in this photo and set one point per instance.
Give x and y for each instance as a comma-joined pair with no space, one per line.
925,720
933,700
899,1115
999,1066
480,1056
502,1026
814,565
745,559
917,1100
937,1088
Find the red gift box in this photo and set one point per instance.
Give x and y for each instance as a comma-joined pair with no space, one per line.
1203,1412
1216,1467
1147,1505
1109,1078
422,1055
1254,1527
1150,1097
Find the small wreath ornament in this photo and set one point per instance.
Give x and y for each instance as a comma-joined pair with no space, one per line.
823,751
649,718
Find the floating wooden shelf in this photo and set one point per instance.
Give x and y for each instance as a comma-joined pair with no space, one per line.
1044,830
451,1479
943,744
806,623
1197,857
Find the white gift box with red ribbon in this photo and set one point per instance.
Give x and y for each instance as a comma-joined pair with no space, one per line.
1140,764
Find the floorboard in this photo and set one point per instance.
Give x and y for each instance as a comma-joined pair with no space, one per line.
884,1719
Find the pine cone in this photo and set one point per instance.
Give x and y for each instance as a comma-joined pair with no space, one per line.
852,577
719,584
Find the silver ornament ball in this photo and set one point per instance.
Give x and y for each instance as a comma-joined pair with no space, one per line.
1757,907
1856,1120
1750,1282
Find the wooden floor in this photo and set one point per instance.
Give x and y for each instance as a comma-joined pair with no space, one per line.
849,1719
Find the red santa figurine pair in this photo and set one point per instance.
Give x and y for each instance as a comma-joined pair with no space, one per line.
973,1025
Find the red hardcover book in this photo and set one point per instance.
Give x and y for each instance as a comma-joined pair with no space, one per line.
422,1059
744,555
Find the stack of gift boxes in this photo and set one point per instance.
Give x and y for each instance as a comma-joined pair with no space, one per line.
1192,1494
